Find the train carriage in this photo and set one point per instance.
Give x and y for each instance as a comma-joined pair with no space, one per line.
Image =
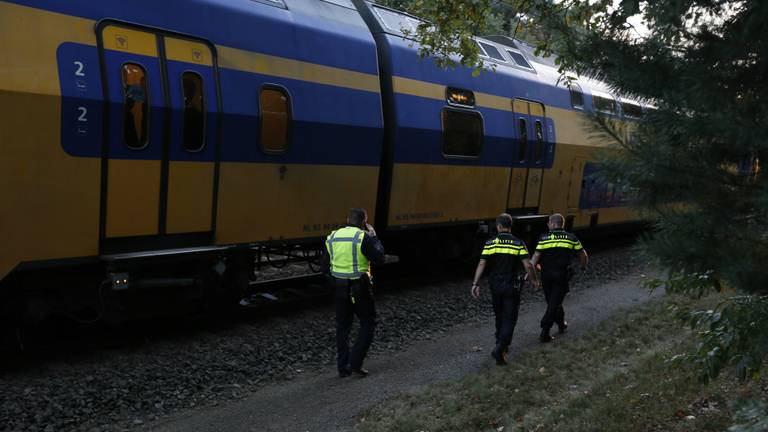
161,145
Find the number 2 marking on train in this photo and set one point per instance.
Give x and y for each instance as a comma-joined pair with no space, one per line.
79,71
83,112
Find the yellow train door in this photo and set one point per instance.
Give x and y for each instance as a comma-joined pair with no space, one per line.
135,140
159,156
528,155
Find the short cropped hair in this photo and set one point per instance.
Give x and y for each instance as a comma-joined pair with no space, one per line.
504,220
557,220
357,216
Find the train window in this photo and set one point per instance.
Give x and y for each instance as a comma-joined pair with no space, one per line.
193,132
275,119
519,59
491,51
277,3
577,97
135,106
397,22
539,150
632,110
521,150
604,104
462,133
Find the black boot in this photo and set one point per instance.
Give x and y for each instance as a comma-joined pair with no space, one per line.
500,356
562,327
544,337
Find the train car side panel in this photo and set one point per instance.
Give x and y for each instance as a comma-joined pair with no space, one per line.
50,198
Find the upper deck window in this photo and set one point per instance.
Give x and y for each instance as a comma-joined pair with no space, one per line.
491,51
519,59
577,96
343,3
462,133
135,106
397,22
276,3
631,110
604,103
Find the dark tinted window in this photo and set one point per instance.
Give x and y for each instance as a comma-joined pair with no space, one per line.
275,119
631,110
462,133
278,3
193,135
491,51
604,104
577,97
523,140
135,106
519,59
539,149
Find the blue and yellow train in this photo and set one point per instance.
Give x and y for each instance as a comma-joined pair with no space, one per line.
154,143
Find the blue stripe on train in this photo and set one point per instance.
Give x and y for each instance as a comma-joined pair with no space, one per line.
245,25
316,135
419,138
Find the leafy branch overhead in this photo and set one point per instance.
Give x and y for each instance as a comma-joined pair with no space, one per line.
699,66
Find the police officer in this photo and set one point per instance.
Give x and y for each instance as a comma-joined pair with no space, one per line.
351,250
554,253
502,255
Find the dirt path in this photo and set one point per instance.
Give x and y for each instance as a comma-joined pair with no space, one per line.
323,402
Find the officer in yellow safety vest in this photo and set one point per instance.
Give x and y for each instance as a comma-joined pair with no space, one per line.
351,250
554,253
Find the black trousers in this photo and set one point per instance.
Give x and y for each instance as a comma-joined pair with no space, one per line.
353,297
505,297
555,287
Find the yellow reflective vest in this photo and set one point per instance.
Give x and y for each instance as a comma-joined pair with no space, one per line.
344,248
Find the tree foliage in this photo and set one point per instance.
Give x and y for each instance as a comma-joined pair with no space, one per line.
694,161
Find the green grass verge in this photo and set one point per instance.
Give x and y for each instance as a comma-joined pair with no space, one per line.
614,378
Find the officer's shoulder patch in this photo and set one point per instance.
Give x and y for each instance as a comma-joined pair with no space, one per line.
544,236
491,240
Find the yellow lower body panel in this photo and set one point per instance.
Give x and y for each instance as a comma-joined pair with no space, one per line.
190,197
50,200
259,202
133,198
425,194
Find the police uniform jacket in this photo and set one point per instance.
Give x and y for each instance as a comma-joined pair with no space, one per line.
503,254
557,248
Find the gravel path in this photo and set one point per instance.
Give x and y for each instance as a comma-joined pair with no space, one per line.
324,402
131,387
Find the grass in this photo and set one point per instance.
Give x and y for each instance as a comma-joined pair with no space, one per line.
614,378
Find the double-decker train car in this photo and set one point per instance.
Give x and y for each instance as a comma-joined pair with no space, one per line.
148,147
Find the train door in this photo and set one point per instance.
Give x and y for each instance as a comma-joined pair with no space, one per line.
159,156
575,185
193,99
519,173
528,155
134,147
536,154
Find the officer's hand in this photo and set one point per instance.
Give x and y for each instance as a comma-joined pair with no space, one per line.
371,231
475,291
